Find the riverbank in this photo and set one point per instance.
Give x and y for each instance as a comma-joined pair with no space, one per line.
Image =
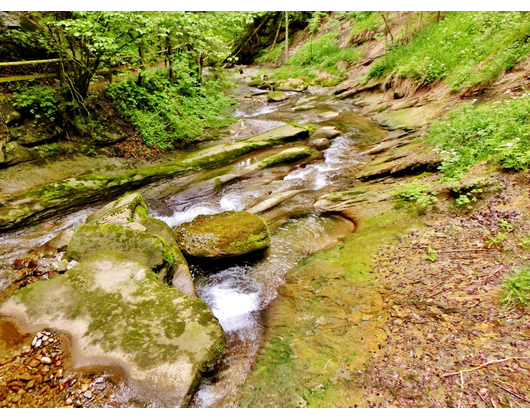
406,313
347,315
426,270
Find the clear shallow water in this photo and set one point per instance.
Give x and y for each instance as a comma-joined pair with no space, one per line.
238,293
16,244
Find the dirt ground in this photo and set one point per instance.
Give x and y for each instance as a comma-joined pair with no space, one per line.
450,341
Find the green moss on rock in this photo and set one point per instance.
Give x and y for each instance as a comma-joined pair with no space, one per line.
227,234
117,312
129,208
287,156
144,247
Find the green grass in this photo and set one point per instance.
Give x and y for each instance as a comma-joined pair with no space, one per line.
465,49
497,133
315,55
516,288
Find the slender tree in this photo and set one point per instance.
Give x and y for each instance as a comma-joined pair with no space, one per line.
286,36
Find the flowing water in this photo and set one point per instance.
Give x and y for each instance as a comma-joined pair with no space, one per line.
238,293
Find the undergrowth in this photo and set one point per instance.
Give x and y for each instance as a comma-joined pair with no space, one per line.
497,133
516,288
171,115
465,49
314,56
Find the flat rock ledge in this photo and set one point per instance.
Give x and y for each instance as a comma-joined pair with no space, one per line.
116,312
108,306
223,235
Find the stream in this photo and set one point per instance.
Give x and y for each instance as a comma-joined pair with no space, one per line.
237,294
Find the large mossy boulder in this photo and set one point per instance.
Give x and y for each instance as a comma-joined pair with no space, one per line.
223,235
123,226
137,245
116,312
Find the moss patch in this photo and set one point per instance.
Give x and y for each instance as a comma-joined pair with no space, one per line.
117,308
325,324
227,234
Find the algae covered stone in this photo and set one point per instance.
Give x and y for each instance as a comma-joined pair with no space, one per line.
90,240
129,208
116,312
276,96
228,234
119,227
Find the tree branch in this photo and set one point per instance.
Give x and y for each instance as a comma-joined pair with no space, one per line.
492,362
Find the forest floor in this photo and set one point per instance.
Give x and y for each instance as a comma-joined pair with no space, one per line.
450,341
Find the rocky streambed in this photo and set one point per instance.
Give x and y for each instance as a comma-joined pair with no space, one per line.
128,321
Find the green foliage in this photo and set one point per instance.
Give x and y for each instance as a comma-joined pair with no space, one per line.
432,254
38,101
418,193
91,39
171,115
364,22
467,193
516,288
466,49
89,126
498,132
314,56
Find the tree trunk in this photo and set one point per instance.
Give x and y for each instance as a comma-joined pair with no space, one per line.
388,31
169,57
286,36
141,53
199,66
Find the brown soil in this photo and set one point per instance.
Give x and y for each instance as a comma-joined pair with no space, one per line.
450,341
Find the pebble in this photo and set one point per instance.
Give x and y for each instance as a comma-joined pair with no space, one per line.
84,387
45,338
88,394
38,343
34,341
39,335
34,363
47,333
46,360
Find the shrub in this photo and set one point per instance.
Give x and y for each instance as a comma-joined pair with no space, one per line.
516,288
419,194
39,101
169,115
498,132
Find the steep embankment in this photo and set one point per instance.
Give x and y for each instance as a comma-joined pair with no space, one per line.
426,305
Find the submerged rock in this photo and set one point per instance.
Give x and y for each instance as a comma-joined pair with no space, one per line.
116,312
276,96
320,140
273,201
228,234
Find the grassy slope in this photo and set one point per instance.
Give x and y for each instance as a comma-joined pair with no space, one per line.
314,360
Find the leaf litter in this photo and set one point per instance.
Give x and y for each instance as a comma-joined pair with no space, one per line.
451,343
